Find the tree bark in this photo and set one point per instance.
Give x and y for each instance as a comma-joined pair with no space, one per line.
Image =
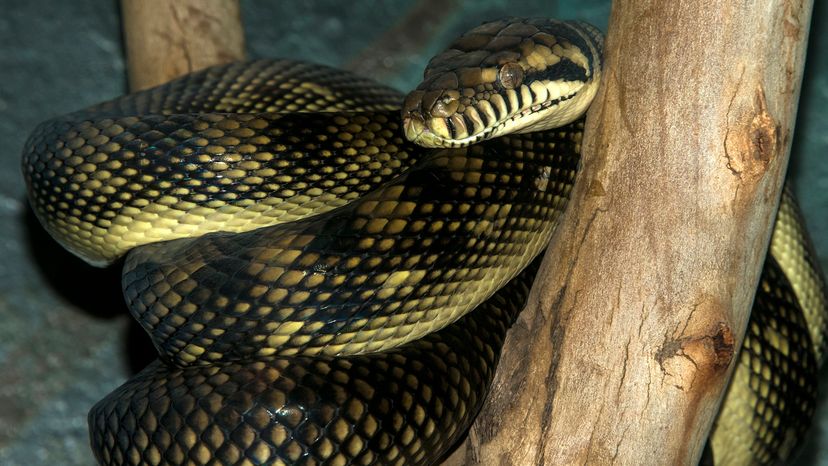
169,38
627,344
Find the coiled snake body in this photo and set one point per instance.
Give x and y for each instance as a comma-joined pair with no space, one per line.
307,273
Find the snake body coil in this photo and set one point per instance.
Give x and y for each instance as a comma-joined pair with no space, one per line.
281,232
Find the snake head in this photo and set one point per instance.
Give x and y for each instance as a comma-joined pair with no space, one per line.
507,76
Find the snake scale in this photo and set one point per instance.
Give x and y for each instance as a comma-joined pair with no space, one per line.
307,272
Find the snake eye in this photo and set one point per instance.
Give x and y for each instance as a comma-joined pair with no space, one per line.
510,75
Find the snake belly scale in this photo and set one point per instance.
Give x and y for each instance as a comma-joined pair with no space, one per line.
307,273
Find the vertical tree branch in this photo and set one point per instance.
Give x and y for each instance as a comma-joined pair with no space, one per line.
626,346
168,38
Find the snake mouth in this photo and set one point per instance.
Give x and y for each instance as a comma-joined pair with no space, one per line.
477,123
425,131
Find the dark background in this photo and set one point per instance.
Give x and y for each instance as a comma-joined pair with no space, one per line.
65,338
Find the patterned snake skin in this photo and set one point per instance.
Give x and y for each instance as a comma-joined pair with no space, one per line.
307,273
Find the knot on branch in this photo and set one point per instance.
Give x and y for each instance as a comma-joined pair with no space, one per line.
697,361
753,141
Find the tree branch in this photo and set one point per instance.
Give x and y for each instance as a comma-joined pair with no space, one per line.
169,38
626,346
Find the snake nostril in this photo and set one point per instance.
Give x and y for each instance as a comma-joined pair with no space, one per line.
429,99
444,107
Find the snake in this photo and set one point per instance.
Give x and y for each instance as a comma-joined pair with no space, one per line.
328,268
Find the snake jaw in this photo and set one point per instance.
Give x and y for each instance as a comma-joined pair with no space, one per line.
426,131
560,102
